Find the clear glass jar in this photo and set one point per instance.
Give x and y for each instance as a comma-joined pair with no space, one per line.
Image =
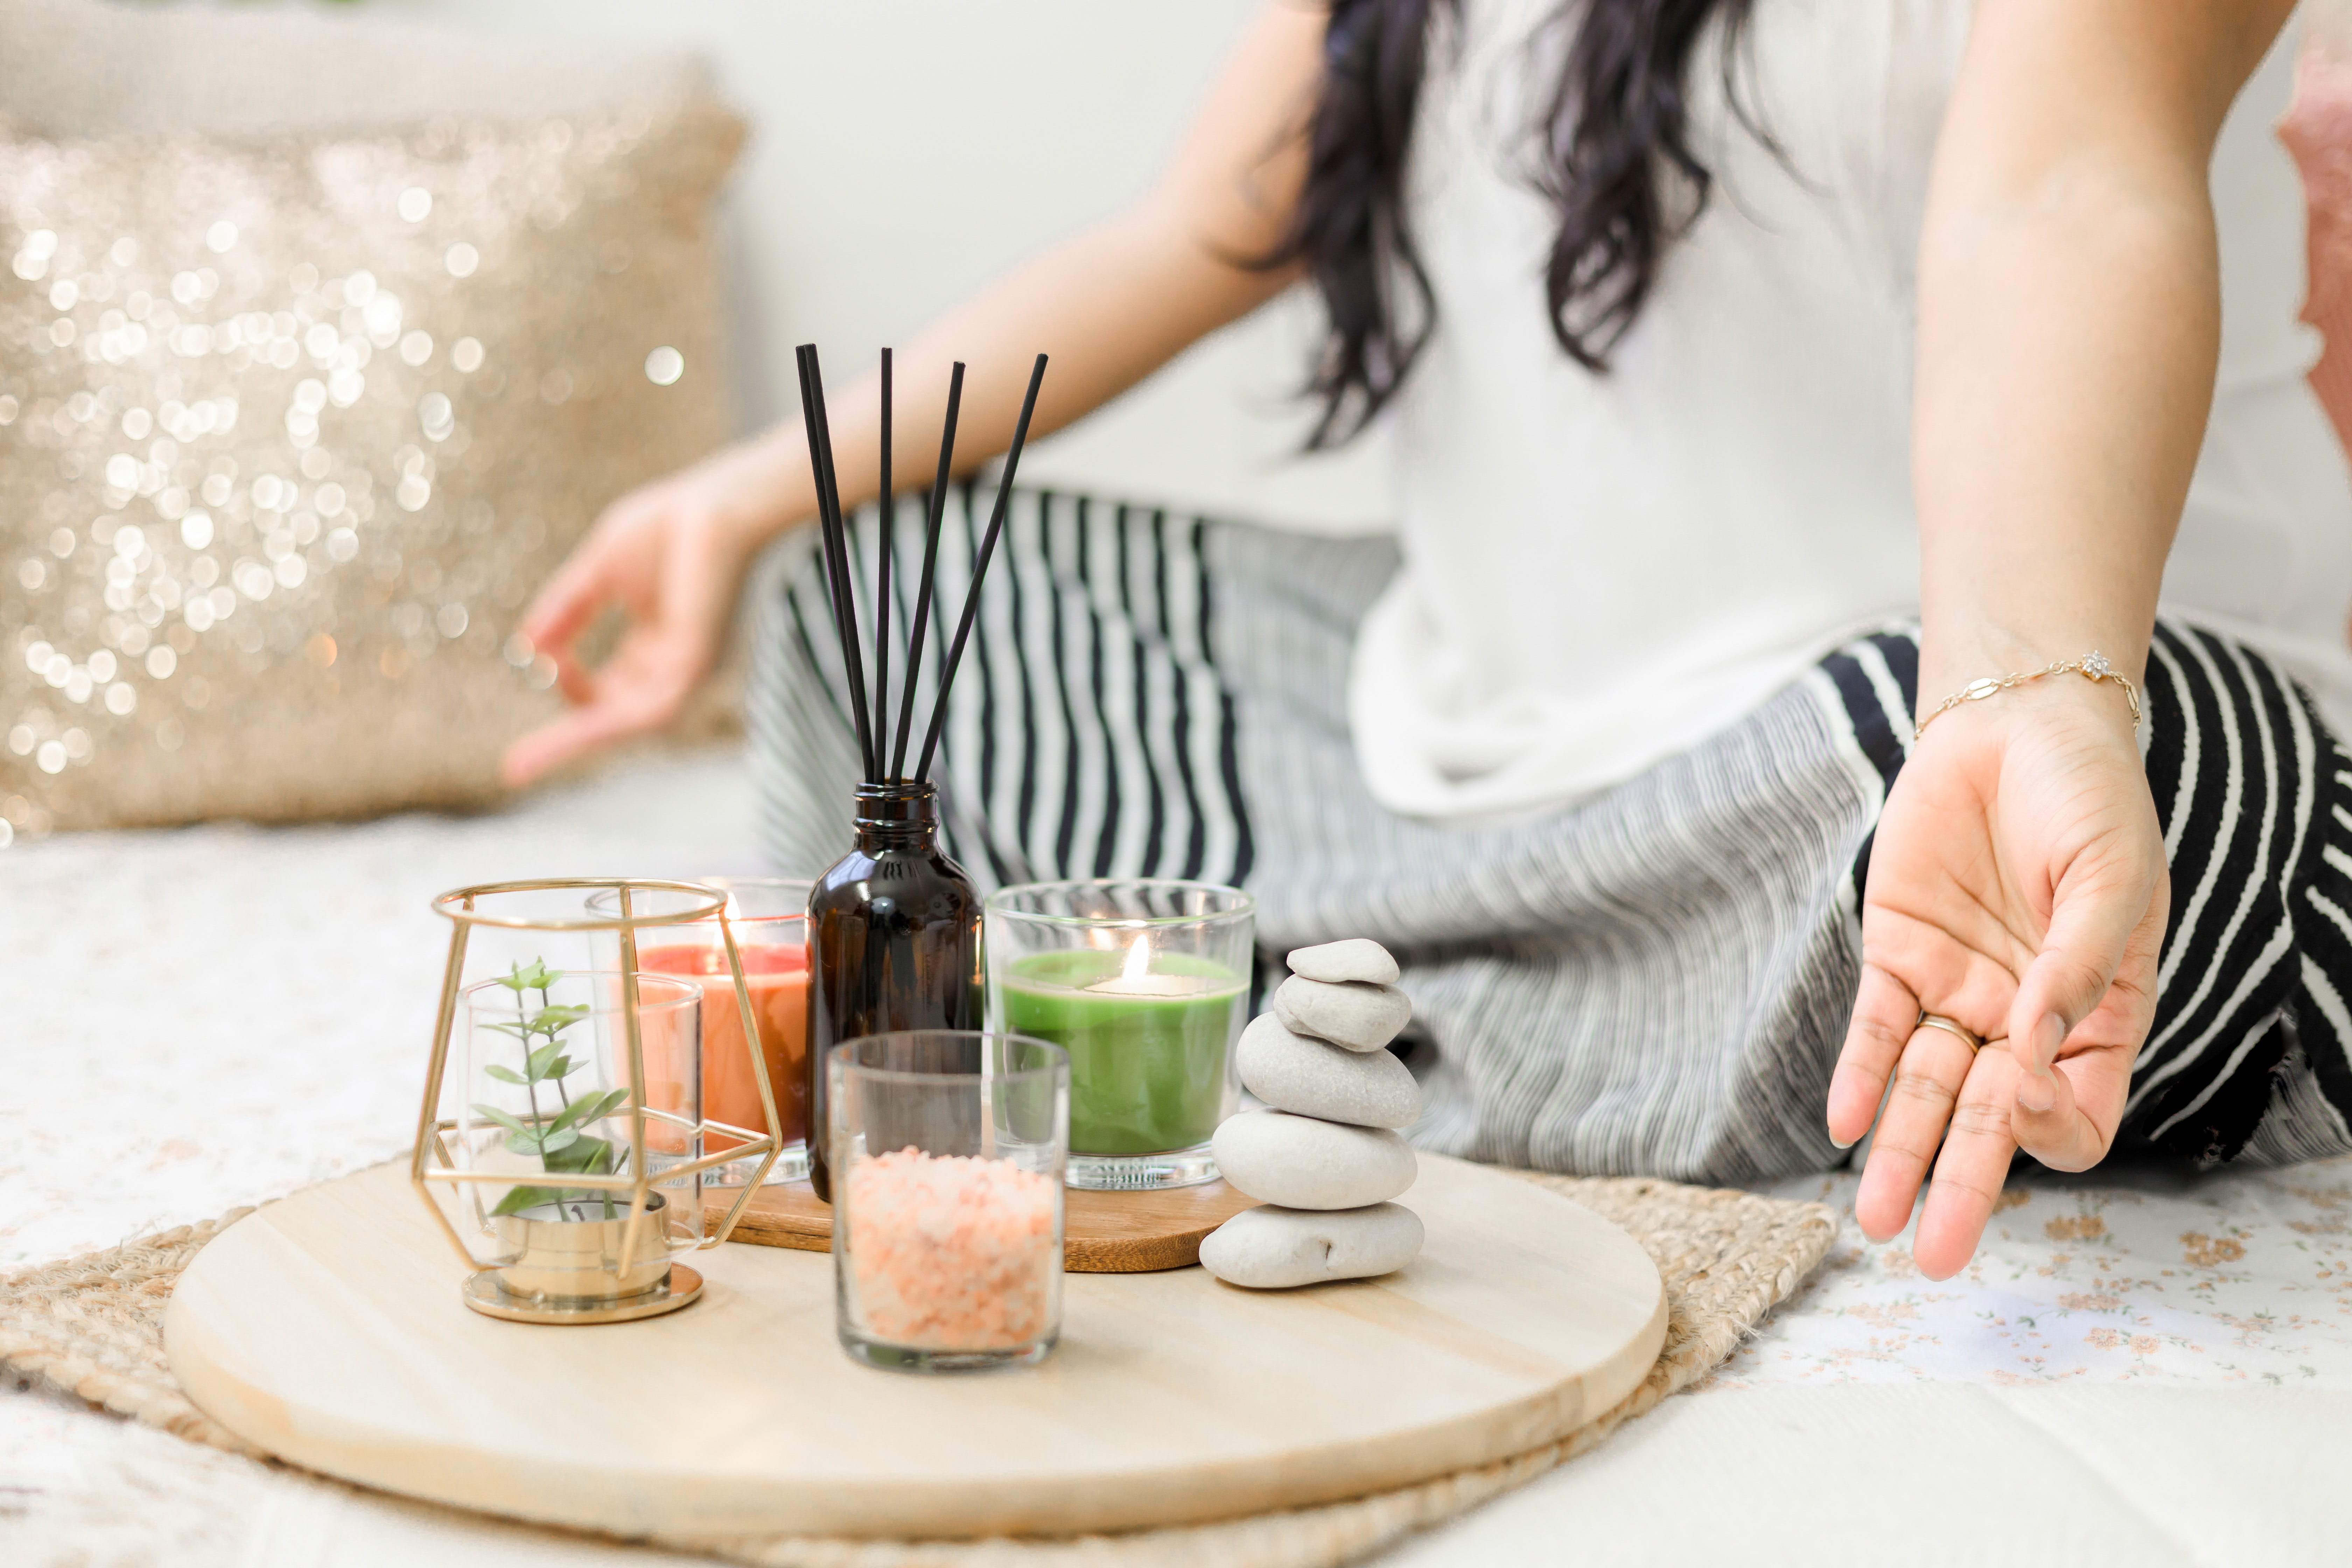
1146,983
947,1150
561,1146
547,1100
769,916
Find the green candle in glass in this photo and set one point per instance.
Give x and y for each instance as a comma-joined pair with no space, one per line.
1145,984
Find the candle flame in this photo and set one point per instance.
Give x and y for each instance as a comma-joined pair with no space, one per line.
1139,960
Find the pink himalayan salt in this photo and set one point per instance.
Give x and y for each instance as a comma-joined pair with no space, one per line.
951,1253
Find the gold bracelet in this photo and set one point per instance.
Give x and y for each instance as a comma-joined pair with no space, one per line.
2093,667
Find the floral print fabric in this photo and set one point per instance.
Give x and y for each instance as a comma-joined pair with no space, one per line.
2114,1276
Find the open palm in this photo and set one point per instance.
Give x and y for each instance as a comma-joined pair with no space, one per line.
2017,886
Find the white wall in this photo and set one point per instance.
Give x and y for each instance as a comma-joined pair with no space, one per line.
905,152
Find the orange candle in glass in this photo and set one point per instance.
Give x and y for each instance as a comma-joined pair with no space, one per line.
769,919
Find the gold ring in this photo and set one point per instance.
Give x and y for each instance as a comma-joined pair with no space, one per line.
1950,1026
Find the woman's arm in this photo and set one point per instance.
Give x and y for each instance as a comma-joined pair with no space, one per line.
2069,320
2069,323
1110,307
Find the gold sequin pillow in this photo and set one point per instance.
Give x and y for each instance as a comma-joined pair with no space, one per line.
290,432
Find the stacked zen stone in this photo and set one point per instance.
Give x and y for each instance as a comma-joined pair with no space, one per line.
1326,1158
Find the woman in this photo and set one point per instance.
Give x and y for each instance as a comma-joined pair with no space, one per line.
1719,337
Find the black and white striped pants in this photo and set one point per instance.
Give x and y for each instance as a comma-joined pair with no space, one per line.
1654,981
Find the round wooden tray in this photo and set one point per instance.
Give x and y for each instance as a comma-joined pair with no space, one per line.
327,1330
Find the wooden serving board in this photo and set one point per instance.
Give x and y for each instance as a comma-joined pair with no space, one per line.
1102,1233
327,1330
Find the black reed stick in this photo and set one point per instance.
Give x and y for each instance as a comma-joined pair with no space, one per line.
835,536
882,587
979,570
845,555
930,559
824,517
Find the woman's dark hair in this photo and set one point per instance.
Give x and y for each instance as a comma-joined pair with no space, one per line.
1612,143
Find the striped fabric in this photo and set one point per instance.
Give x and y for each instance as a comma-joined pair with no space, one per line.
1090,733
1652,981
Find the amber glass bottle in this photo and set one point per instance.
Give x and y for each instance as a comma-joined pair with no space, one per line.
894,941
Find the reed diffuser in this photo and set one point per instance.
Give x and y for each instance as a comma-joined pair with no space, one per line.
894,926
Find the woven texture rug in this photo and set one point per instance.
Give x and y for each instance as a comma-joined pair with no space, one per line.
93,1326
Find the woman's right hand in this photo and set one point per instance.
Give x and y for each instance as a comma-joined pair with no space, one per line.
672,554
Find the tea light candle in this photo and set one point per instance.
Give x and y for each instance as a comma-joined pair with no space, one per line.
1148,1036
1135,979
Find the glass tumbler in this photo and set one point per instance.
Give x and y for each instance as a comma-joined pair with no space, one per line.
770,918
548,1100
946,1148
1146,983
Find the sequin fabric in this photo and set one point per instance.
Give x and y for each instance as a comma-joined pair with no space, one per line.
290,432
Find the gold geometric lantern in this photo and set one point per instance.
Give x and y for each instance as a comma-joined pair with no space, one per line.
570,1176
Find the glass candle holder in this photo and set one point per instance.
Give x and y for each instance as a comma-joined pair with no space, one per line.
947,1150
546,1103
561,1143
769,918
1146,983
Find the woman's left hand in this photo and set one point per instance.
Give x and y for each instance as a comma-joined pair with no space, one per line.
2018,886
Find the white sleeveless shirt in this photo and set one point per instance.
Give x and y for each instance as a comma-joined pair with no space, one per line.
1601,571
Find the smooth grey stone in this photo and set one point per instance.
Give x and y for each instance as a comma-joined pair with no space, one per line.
1295,1072
1358,958
1349,1013
1274,1248
1301,1163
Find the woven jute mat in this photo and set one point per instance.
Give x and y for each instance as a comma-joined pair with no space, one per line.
93,1326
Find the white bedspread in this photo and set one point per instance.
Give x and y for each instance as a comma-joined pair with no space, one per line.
2136,1368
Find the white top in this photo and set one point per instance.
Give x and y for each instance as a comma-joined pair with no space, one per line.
1602,570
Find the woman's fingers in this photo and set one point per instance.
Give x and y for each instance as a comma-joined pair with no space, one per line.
570,599
568,734
2096,906
1958,1113
2076,1131
622,701
1885,1012
2060,1135
1971,1169
1928,1081
641,687
1989,1126
566,605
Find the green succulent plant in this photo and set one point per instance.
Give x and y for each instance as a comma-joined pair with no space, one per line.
554,1134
